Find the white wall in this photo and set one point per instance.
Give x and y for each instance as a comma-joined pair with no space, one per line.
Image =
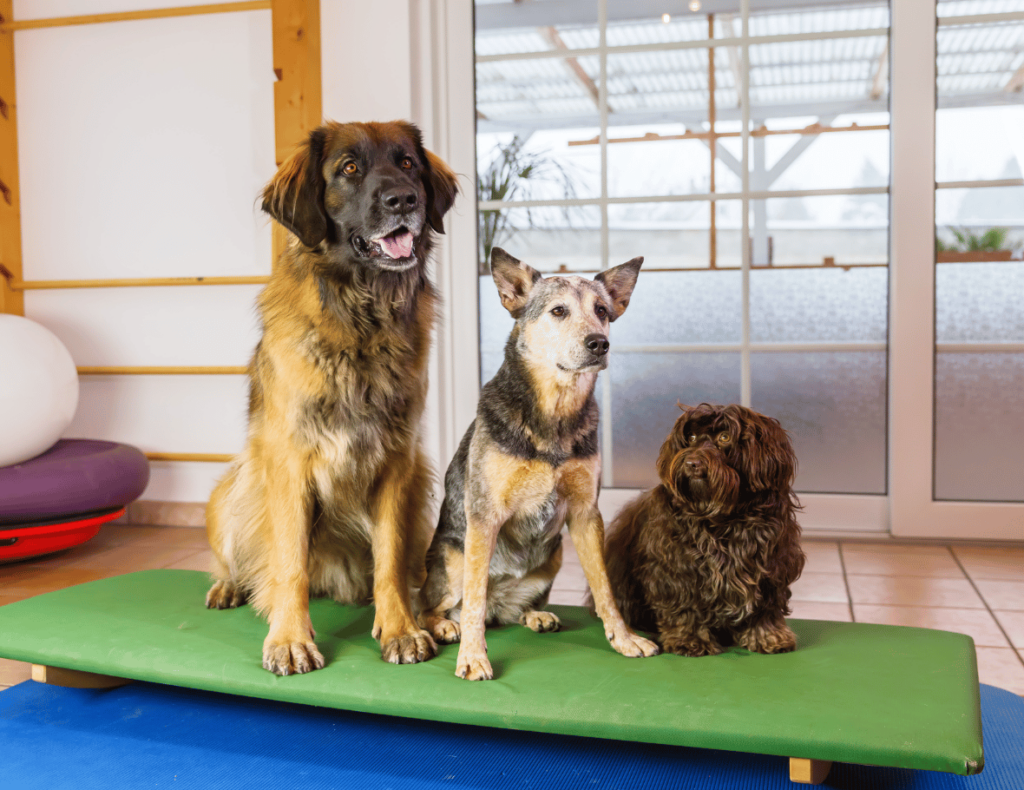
143,147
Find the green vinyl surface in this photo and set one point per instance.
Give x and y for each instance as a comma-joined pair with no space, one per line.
851,692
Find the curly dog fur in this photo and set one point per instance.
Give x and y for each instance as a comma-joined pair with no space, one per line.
706,558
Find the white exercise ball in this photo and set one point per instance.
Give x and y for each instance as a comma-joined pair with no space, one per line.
38,389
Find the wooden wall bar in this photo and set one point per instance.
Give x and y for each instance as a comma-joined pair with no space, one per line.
11,301
128,16
298,103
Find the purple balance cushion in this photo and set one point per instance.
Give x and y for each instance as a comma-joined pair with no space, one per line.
73,476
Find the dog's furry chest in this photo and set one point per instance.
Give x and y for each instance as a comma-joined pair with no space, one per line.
726,571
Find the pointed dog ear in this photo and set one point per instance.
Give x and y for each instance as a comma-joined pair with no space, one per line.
442,187
514,279
619,282
295,195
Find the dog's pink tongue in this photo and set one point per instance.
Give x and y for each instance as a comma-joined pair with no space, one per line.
398,245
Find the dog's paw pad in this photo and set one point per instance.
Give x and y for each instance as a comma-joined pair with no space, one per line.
224,595
292,658
474,667
541,622
634,646
408,648
446,631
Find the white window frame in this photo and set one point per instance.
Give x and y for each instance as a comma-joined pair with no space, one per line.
447,112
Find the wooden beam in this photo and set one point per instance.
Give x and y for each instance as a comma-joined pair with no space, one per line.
298,102
211,458
11,301
1016,81
809,772
881,78
74,678
128,16
163,370
136,282
550,35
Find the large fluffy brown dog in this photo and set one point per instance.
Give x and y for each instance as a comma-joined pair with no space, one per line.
705,559
329,495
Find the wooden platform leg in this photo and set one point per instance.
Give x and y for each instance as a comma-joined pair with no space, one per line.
808,772
73,678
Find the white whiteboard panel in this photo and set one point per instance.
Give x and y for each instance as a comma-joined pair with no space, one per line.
143,147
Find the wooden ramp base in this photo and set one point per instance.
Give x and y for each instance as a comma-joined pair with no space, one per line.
808,772
74,679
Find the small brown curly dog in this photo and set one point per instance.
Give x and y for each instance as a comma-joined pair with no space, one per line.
705,559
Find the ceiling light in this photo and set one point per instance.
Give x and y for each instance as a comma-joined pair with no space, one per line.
666,18
695,5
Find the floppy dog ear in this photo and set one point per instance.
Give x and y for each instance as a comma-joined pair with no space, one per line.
295,195
670,449
766,453
514,279
619,282
442,187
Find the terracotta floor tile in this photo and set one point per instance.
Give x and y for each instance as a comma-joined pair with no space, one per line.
1001,594
900,564
986,563
12,672
818,610
891,547
1001,667
1013,624
123,558
165,537
822,557
977,624
12,598
200,561
820,587
48,578
913,591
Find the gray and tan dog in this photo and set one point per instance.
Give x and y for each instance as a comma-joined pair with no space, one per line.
529,463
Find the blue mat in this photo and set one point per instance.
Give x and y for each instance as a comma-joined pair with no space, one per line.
146,735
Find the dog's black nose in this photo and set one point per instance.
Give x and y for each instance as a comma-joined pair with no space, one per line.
597,344
695,467
399,199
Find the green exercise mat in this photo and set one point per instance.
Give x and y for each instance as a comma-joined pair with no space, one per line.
856,693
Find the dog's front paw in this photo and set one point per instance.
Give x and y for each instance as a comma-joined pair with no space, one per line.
692,648
540,622
632,645
768,640
473,665
224,595
411,647
446,631
291,658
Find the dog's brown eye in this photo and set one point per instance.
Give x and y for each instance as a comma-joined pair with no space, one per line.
350,169
407,163
601,311
692,439
724,438
558,312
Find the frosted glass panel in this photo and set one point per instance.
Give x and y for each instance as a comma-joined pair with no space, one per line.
645,391
819,305
979,423
682,307
979,302
833,406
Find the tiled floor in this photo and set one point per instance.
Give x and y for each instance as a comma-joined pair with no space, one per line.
975,591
